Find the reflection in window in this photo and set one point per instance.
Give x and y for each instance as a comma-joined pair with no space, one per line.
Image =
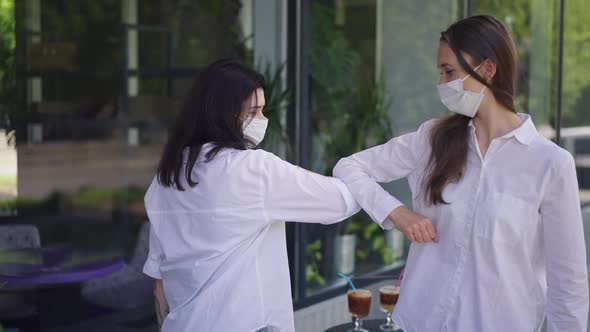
362,60
575,134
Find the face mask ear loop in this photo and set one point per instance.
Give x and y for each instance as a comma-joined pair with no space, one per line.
474,69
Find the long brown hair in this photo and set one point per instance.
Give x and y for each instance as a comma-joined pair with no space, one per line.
481,37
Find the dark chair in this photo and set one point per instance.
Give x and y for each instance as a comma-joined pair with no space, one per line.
127,288
18,304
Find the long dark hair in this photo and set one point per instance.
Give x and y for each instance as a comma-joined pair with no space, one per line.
212,113
482,37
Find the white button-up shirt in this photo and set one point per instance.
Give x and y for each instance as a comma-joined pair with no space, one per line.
511,244
220,246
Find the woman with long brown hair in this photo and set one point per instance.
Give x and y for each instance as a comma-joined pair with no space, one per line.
496,227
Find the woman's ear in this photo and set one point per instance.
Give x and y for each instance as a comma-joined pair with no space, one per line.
488,70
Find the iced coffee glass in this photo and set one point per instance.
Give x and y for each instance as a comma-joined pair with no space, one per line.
359,306
388,296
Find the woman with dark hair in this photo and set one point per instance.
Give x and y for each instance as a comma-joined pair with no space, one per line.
497,234
217,208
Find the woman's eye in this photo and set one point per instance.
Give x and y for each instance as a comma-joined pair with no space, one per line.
449,72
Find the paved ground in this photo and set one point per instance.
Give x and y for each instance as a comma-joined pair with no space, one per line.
8,169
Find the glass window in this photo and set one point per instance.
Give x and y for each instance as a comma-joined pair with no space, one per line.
372,77
575,133
8,93
84,116
534,27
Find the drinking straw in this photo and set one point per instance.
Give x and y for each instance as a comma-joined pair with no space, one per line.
349,280
399,279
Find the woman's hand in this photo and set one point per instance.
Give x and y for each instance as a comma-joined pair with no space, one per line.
415,226
162,309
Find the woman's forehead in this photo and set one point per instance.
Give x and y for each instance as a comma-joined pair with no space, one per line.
446,55
257,99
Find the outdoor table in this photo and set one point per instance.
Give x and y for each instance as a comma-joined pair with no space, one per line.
55,275
52,266
57,265
371,325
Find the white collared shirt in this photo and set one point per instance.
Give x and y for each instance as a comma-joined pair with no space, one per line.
220,246
511,244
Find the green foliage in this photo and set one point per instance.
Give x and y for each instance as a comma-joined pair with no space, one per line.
576,63
30,206
351,111
92,196
89,196
215,7
364,125
313,276
7,62
333,62
372,244
278,98
518,15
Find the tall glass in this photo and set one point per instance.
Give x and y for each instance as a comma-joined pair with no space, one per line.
359,306
388,296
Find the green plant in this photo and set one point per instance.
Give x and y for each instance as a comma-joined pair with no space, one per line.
278,98
30,206
8,109
313,276
366,124
334,69
373,245
350,113
351,110
92,195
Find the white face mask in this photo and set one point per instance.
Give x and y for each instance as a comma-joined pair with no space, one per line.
255,129
459,100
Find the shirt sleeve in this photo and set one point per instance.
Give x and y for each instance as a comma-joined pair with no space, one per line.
292,193
362,172
565,253
155,256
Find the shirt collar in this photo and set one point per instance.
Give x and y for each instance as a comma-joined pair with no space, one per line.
203,153
524,134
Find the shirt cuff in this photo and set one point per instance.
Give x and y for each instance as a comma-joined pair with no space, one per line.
152,268
382,210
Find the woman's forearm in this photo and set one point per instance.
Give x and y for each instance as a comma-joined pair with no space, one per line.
160,302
